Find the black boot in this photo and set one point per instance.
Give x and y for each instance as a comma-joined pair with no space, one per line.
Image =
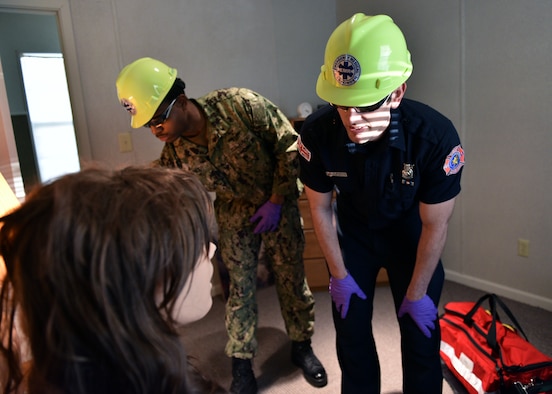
243,379
303,356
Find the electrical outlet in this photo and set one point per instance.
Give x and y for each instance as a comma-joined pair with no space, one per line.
523,247
125,142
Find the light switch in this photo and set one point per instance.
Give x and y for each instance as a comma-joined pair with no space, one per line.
125,142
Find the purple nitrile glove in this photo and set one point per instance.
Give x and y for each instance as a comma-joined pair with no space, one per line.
422,311
269,215
342,290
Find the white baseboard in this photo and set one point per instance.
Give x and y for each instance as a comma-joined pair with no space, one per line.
508,292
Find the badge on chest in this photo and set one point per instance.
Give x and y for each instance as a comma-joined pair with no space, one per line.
407,174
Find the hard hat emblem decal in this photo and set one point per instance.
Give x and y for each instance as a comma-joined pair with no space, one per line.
346,70
128,106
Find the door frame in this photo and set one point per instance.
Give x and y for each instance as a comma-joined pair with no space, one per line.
60,8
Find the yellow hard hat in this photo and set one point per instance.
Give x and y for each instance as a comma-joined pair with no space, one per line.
366,59
142,85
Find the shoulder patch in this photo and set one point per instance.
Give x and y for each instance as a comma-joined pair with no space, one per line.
303,151
454,161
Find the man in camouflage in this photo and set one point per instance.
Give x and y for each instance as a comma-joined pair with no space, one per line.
244,150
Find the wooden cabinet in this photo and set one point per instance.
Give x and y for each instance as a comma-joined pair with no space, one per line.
297,123
315,264
313,258
382,277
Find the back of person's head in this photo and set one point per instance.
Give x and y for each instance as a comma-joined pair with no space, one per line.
95,262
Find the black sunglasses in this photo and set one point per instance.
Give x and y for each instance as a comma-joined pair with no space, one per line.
360,110
160,119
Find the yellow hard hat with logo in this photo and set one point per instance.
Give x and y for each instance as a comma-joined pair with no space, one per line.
366,59
142,85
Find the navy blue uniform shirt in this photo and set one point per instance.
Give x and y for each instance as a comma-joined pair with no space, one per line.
418,159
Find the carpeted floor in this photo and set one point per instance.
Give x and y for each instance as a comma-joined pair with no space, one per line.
206,339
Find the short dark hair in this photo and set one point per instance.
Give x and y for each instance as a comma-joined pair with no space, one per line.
178,88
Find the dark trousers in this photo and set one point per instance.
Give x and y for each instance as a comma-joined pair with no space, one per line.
364,253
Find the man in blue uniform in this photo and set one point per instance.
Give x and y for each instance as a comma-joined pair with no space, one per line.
395,166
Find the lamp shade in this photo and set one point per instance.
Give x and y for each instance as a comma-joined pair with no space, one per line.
8,201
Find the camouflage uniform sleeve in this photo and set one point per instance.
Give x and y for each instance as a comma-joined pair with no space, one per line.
271,125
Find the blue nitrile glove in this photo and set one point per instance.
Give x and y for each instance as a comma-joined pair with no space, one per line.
269,213
423,312
342,290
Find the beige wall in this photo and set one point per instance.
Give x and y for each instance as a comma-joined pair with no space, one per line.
270,46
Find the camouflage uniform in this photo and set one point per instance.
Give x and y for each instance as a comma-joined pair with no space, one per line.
251,154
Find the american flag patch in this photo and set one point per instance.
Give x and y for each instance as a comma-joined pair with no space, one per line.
303,151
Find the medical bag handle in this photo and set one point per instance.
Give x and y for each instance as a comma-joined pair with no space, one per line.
493,300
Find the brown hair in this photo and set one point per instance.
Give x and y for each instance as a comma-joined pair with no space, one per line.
85,257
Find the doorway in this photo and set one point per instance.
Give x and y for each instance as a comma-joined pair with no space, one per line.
38,26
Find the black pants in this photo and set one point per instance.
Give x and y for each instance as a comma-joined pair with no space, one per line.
364,253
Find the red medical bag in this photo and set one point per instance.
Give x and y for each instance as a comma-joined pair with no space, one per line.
487,356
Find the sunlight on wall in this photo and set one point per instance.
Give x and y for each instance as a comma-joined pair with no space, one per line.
50,114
